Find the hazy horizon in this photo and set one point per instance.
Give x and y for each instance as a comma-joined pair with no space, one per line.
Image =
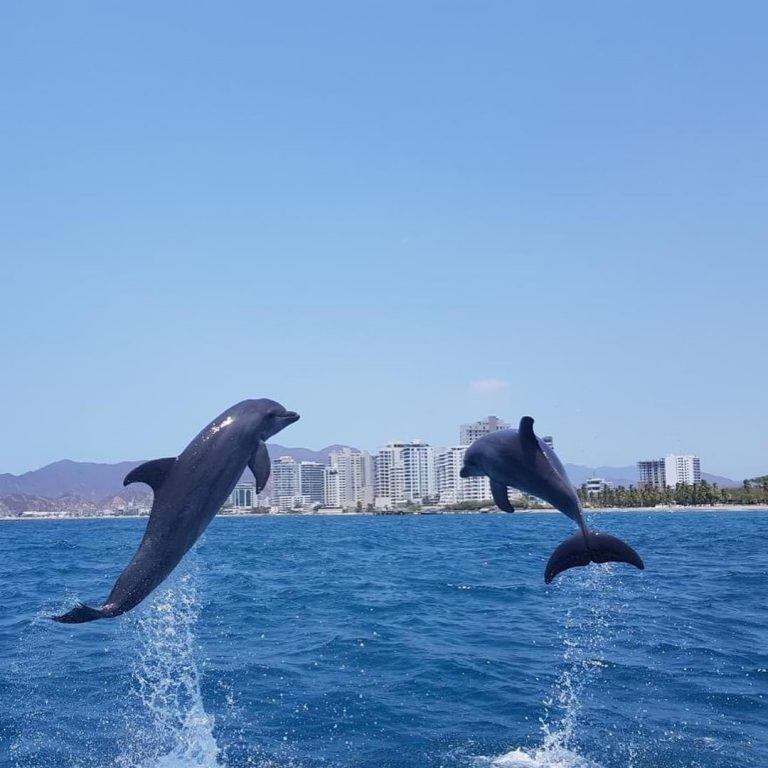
391,218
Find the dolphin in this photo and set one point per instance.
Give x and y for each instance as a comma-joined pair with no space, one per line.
517,457
189,490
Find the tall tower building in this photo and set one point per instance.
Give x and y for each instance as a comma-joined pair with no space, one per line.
405,472
243,496
651,473
468,433
312,482
285,482
670,471
451,487
351,474
682,470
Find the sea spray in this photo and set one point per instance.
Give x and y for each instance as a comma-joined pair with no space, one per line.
171,727
587,631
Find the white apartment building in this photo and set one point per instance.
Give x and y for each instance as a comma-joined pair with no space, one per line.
596,485
468,433
670,471
405,472
332,487
349,479
286,483
243,496
685,470
451,487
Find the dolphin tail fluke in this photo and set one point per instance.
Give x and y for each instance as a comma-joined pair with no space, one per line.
80,614
592,548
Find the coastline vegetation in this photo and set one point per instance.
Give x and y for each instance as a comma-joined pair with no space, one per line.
754,491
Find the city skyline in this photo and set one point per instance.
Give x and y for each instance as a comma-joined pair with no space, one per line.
405,473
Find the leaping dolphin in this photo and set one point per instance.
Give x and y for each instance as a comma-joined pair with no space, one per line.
517,457
189,490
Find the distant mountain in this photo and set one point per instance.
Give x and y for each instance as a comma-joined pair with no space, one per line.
723,482
69,478
579,474
94,482
305,454
627,476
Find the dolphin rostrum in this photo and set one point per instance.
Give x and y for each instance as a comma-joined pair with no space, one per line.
518,458
188,491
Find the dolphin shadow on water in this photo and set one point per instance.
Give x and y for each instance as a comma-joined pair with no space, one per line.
518,458
188,492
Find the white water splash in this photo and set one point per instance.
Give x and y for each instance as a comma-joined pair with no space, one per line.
587,631
170,728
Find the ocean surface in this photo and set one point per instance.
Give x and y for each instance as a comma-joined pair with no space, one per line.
382,642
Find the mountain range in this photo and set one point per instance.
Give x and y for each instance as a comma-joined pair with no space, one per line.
93,482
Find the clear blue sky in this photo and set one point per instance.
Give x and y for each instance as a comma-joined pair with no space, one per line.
392,217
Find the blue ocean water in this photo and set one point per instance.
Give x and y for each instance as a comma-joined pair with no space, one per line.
372,642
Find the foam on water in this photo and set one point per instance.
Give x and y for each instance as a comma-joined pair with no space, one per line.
171,727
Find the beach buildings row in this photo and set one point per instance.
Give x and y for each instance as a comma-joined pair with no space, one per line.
401,473
669,472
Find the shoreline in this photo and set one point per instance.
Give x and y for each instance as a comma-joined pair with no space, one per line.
719,508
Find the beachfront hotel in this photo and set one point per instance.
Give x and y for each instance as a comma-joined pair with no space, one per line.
312,482
405,473
682,470
669,472
451,487
349,479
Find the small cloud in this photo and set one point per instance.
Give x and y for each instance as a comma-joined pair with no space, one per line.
488,386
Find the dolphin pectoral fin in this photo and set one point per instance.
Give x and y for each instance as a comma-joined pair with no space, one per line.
260,465
501,497
153,473
596,548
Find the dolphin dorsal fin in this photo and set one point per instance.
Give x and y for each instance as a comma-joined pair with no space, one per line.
526,433
260,465
153,473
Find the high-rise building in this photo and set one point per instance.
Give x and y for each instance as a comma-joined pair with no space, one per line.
468,433
243,496
670,471
350,479
651,473
405,472
312,482
286,482
682,470
332,487
451,487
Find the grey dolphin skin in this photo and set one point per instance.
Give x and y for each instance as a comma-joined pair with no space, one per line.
189,490
518,458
